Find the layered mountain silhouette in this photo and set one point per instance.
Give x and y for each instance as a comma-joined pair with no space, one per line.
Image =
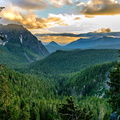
91,40
94,43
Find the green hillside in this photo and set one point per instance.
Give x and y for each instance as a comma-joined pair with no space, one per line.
72,61
16,56
89,81
27,97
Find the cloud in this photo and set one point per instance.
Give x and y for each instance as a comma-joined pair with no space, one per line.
100,7
39,4
80,28
103,30
29,4
69,19
77,18
60,3
30,20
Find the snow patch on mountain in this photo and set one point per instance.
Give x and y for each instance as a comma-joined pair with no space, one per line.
6,36
3,43
21,38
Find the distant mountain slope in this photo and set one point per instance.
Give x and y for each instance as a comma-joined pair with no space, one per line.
72,61
116,46
53,46
91,34
84,41
93,42
20,43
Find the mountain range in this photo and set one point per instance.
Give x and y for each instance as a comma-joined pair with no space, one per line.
89,41
93,42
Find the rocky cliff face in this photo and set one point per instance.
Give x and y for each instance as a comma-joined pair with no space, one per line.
19,39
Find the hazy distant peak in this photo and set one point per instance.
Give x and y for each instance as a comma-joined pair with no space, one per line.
53,43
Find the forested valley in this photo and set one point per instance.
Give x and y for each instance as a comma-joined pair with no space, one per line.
37,91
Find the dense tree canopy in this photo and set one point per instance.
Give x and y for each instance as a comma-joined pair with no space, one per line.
114,84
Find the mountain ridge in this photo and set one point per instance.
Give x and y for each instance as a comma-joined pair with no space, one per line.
89,40
93,42
72,61
20,42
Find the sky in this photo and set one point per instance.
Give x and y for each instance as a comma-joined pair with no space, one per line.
62,16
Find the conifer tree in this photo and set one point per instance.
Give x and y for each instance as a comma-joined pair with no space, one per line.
114,84
68,111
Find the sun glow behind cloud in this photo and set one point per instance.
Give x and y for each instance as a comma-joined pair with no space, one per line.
62,40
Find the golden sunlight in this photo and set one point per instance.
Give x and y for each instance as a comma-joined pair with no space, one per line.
58,39
12,16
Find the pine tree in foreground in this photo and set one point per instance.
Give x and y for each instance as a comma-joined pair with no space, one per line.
68,111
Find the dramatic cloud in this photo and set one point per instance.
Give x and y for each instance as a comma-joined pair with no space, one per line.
100,7
30,20
29,4
39,4
62,15
103,30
